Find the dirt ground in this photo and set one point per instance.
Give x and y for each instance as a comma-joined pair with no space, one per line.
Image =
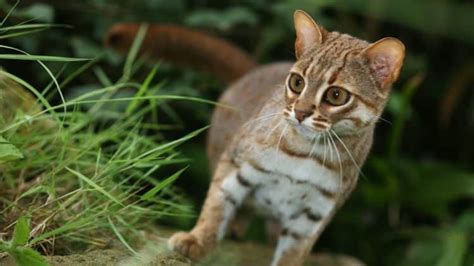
230,253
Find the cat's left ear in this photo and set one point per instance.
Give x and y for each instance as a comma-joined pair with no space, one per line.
386,59
308,33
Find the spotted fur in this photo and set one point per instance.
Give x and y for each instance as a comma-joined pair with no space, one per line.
290,155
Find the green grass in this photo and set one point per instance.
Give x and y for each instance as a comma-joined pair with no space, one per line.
414,205
75,173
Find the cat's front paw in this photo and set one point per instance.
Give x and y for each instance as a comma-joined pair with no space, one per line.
186,244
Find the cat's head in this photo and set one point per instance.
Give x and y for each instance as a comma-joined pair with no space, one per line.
338,82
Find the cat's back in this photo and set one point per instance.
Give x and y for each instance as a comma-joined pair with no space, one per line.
246,96
250,85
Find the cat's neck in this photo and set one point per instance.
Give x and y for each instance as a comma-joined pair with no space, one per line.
329,146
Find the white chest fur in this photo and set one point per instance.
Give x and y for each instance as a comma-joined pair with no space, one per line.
285,185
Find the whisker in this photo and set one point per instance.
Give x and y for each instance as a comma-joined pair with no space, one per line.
314,144
330,147
272,130
263,117
281,86
340,163
281,136
350,154
324,157
252,148
384,120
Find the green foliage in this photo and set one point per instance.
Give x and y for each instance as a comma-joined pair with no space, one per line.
122,132
222,20
16,247
8,152
21,232
84,167
27,257
445,16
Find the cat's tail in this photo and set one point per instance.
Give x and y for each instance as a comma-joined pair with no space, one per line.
184,47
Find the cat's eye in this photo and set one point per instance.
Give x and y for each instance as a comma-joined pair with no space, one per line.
336,96
296,83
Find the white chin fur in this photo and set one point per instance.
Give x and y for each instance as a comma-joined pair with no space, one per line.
305,131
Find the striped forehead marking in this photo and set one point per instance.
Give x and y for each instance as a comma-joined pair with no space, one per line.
345,56
319,53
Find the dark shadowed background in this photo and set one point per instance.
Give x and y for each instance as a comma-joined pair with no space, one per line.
414,204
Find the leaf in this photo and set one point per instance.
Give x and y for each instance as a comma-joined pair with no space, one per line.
422,252
436,246
222,20
435,184
85,48
466,221
409,89
21,232
8,152
455,248
444,15
28,257
396,104
38,11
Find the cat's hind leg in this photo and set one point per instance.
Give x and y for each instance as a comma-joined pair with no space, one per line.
240,224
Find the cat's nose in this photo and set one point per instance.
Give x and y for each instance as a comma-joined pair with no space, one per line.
300,115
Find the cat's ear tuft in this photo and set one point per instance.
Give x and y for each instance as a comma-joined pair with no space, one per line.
386,59
308,33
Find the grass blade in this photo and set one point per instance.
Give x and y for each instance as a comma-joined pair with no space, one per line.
168,181
45,58
132,54
134,103
9,13
94,185
120,236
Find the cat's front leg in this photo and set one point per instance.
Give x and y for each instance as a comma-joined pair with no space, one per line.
226,193
298,236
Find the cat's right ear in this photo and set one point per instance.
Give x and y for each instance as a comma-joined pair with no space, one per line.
386,59
308,33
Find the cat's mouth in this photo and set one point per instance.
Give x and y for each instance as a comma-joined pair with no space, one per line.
305,130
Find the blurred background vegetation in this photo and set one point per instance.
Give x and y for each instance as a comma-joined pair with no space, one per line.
415,205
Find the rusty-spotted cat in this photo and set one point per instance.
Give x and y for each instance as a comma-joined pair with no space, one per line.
295,147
